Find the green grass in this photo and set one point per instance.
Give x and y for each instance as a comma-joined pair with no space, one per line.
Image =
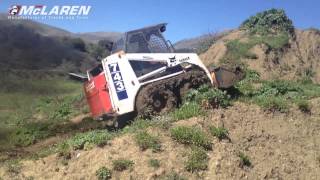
191,136
208,97
122,164
147,141
244,160
85,140
237,50
155,163
32,108
197,160
277,95
303,106
187,110
219,132
103,173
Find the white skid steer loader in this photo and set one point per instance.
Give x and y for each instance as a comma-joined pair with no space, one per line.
145,75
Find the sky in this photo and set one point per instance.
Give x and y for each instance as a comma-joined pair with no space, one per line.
185,18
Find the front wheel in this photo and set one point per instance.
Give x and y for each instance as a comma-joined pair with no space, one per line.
155,101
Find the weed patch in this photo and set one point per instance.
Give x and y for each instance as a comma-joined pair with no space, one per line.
304,106
244,160
103,173
208,97
187,110
191,136
155,163
197,160
219,132
122,164
147,141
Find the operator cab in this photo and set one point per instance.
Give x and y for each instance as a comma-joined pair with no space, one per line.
144,40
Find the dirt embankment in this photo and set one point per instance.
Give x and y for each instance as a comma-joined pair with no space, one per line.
299,58
279,146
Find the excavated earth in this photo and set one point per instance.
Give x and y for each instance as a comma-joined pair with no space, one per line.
279,146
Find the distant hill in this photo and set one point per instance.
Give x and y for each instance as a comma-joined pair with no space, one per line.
30,45
197,44
95,37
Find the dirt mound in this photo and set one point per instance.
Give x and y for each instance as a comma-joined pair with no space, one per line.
299,58
279,146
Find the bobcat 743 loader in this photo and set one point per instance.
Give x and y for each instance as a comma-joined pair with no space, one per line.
145,75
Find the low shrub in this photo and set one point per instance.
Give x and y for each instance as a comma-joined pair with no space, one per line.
207,96
103,173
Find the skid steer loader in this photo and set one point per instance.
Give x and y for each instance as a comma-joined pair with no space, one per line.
145,75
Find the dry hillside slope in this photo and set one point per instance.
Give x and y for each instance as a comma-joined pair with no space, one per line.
299,58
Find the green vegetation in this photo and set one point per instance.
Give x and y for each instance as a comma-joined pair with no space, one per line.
276,95
154,163
187,110
85,141
122,164
303,106
33,109
244,160
13,166
103,173
147,141
207,97
197,160
271,28
219,132
191,136
236,50
269,22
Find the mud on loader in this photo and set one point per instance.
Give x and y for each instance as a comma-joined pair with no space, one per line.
145,75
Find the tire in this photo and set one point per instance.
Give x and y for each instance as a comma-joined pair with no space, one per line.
153,100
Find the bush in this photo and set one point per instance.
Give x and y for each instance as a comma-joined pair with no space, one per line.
103,173
197,160
187,110
146,141
207,96
189,135
269,21
154,163
244,160
219,132
122,164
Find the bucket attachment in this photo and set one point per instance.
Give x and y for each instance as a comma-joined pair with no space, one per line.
225,78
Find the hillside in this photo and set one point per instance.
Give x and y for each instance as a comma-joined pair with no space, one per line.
293,56
265,127
77,51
